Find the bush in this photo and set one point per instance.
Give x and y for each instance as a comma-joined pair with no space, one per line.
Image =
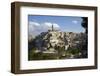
73,50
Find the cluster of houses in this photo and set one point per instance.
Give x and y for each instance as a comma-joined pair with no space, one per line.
48,42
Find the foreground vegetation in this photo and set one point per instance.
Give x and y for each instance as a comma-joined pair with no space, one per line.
61,54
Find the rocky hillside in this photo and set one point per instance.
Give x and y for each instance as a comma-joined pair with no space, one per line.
61,43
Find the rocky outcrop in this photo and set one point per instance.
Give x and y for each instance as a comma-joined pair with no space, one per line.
49,41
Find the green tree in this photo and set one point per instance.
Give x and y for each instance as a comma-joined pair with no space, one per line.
85,23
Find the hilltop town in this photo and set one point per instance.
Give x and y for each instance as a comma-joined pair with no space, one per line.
55,44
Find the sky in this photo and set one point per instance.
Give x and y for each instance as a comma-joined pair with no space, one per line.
41,23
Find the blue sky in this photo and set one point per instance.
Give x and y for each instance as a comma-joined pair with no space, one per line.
64,23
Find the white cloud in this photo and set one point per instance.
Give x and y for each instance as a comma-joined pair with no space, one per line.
75,21
34,23
33,27
56,25
48,25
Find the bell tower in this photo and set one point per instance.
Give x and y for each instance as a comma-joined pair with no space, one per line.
52,28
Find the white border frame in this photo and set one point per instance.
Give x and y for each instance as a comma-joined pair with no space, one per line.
25,64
